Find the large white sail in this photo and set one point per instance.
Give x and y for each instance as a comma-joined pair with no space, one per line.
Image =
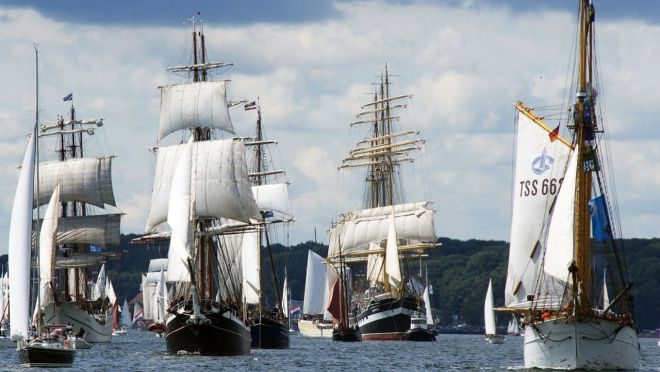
20,244
192,105
414,222
375,269
222,188
47,249
251,263
559,246
315,285
392,267
99,230
489,314
273,197
85,180
179,216
540,166
427,306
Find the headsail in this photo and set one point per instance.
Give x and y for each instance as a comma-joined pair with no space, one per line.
47,249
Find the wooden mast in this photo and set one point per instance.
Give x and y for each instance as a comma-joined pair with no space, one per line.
584,130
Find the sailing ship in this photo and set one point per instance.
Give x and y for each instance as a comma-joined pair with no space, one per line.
5,339
489,318
202,191
316,321
340,303
560,176
269,328
388,228
33,350
512,328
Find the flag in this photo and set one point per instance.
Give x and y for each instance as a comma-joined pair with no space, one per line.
554,134
295,310
600,225
68,97
250,106
94,249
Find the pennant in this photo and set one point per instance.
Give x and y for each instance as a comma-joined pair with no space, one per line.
68,97
250,106
554,134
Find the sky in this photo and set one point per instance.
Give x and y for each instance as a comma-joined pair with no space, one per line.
312,65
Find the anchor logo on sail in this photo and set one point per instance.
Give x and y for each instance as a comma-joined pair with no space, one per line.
542,163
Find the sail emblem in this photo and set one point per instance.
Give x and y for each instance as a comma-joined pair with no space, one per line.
542,163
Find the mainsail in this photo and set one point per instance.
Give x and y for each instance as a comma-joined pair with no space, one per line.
315,285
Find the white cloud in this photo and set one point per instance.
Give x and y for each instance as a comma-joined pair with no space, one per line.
464,67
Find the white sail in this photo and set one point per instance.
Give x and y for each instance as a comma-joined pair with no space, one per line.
3,300
147,296
392,267
125,315
192,105
606,296
179,217
489,313
99,230
427,306
251,262
230,261
87,180
315,286
110,292
222,188
160,296
414,222
273,197
375,269
157,264
47,249
99,290
285,297
539,162
20,244
559,247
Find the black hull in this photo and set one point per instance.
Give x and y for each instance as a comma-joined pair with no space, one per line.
418,334
268,333
346,335
220,336
46,357
387,319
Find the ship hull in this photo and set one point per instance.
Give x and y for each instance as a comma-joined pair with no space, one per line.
312,328
346,335
223,334
269,333
68,313
388,319
588,344
36,356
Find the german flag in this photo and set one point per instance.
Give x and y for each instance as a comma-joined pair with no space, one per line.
554,134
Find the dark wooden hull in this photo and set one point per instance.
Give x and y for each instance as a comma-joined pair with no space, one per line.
268,333
387,319
34,356
222,335
418,334
346,335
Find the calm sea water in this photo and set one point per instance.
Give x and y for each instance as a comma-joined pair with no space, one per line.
142,351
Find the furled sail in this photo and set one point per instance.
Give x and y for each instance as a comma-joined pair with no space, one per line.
273,197
251,263
47,249
179,216
392,267
414,222
315,285
87,180
489,314
222,188
540,167
559,246
193,105
20,242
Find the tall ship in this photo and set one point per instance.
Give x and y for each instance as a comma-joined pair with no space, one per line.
269,325
565,229
388,230
202,193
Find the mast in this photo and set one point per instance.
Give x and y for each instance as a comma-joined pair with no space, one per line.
584,128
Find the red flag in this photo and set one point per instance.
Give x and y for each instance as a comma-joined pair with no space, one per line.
554,134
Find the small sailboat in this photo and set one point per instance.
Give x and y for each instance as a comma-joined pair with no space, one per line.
489,317
33,351
564,210
512,329
315,320
419,326
340,304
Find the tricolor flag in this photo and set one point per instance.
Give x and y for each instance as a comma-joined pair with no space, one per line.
295,310
554,134
68,97
250,106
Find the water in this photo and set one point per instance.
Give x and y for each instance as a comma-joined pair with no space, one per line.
142,351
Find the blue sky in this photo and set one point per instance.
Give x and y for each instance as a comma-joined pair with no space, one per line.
312,65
